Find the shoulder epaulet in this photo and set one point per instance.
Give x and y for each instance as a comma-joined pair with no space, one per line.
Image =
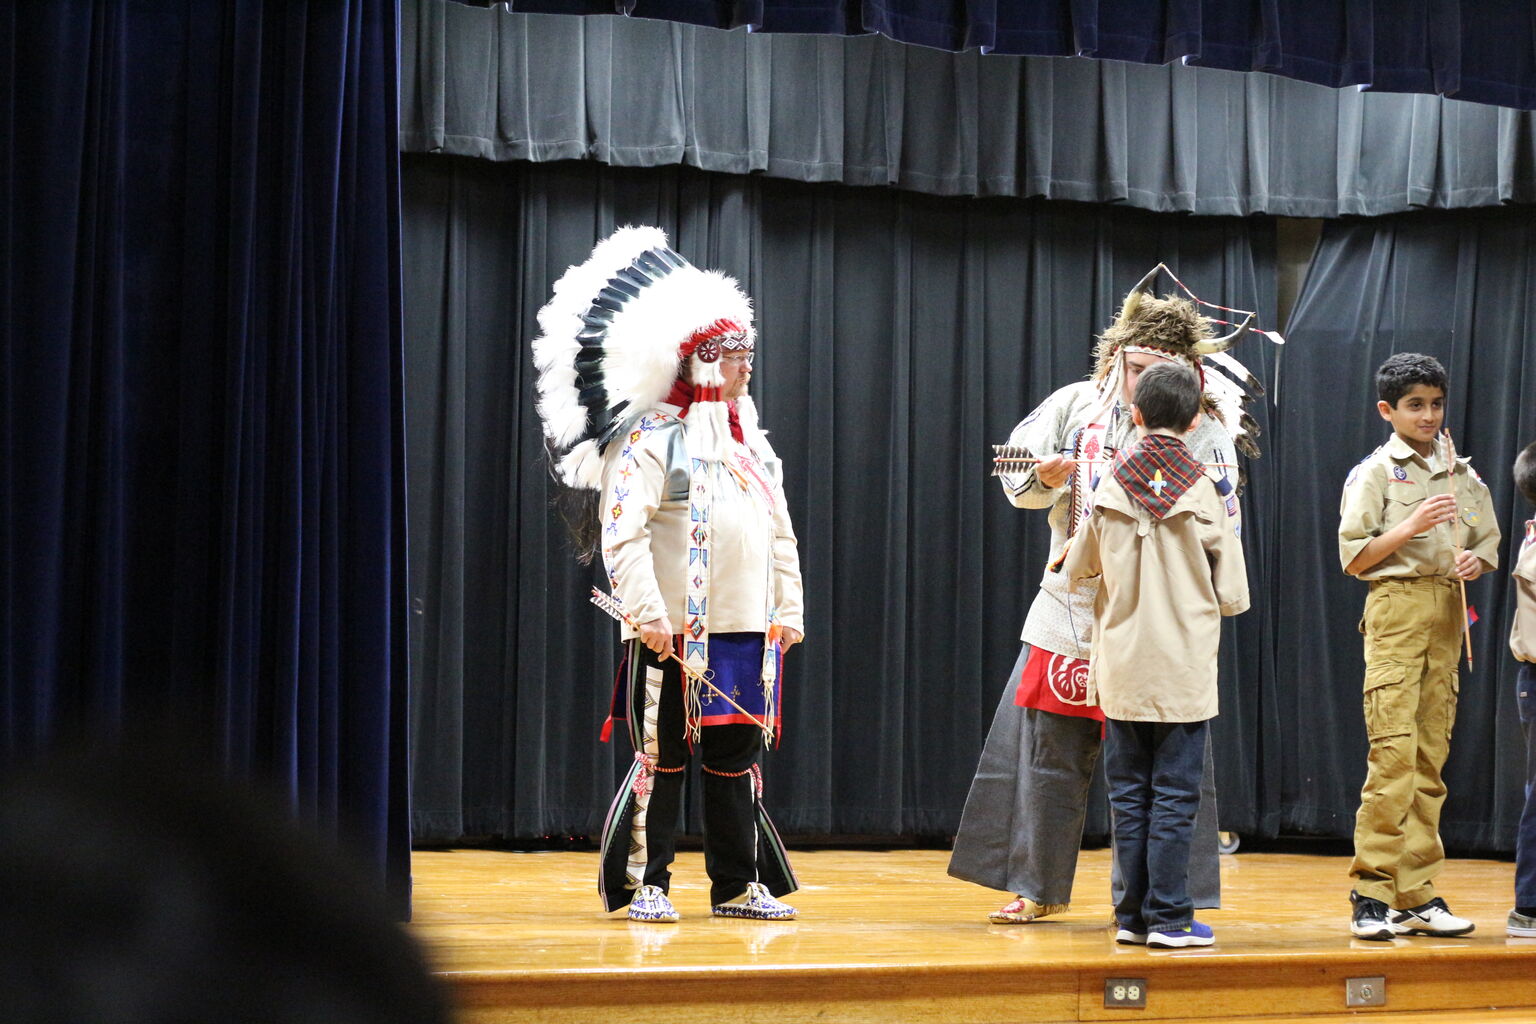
1356,471
1224,487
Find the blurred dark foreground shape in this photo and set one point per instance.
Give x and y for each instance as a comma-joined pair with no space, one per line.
135,891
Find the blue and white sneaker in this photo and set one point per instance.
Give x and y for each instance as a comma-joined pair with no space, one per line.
756,903
1432,918
651,904
1193,934
1127,937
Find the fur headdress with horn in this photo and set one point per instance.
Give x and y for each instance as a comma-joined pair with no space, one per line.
1173,327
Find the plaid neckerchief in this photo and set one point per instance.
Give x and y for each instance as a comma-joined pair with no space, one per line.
1156,471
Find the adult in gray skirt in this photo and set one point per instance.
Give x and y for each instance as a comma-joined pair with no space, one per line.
1023,820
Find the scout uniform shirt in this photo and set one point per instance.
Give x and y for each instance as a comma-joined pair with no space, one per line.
1060,618
1385,488
1165,584
1522,635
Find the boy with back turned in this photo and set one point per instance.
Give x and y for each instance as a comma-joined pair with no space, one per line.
1402,530
1172,565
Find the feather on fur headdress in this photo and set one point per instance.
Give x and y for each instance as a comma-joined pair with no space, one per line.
1173,327
616,335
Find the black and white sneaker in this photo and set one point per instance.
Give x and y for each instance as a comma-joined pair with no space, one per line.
1432,918
1370,918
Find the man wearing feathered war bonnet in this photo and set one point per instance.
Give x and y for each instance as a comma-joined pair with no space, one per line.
1023,821
644,362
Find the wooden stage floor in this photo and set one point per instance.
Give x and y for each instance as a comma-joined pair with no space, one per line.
888,936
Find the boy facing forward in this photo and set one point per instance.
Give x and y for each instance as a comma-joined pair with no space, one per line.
1398,530
1171,564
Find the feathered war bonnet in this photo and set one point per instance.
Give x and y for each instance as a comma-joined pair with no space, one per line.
622,328
1173,327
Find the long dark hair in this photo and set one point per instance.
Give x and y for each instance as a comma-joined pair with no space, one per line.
578,509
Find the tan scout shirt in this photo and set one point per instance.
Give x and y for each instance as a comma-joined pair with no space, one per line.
1522,635
1061,617
1385,488
1165,585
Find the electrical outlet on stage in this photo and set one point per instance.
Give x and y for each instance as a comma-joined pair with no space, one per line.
1125,993
1365,991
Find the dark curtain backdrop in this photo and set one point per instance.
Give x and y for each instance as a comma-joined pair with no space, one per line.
1471,49
901,334
869,111
201,446
1462,288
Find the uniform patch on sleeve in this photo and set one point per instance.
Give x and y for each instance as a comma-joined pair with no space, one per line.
1356,471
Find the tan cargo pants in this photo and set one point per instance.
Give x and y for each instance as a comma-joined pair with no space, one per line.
1412,633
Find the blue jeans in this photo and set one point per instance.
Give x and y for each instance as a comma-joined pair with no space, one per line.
1153,770
1023,820
1525,837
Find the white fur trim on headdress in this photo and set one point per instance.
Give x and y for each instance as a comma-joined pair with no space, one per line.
610,344
642,344
557,349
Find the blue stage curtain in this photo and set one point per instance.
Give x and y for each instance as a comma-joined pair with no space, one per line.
201,446
1469,49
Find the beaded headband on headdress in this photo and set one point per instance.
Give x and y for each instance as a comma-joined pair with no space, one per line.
709,341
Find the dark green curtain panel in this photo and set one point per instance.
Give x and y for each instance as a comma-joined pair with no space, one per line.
201,445
900,336
1462,288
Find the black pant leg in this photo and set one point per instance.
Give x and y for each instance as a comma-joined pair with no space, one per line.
730,808
671,766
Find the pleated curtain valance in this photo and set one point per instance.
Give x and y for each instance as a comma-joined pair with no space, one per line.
1466,49
869,111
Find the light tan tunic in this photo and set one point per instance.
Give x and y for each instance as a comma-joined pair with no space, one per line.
1385,488
1522,635
1164,586
754,561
